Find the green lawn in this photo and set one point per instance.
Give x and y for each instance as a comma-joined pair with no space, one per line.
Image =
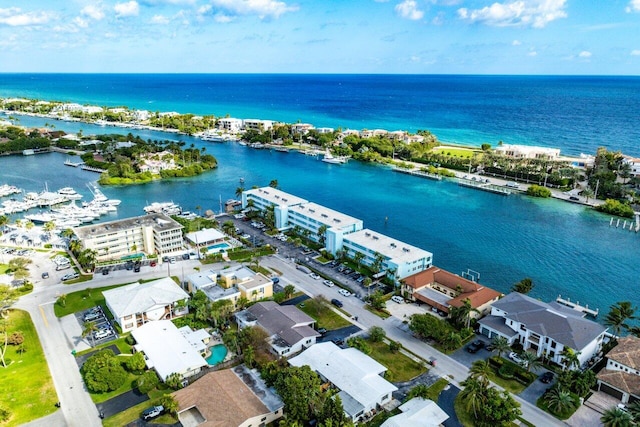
125,417
455,151
121,343
401,367
513,386
82,300
27,388
323,314
436,388
380,313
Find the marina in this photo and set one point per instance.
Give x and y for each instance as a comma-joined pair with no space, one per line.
417,172
484,185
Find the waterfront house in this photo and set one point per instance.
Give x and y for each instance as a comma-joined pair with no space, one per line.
230,398
545,329
169,350
205,238
230,125
139,303
301,128
358,377
384,253
257,125
289,329
418,412
528,152
443,290
153,234
621,376
634,165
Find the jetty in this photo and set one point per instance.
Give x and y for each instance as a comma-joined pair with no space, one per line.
576,306
68,162
418,172
92,169
484,186
634,225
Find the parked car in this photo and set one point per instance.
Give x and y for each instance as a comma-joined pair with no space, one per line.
152,412
103,333
328,283
275,280
45,275
69,276
397,298
344,293
91,316
475,346
516,358
314,276
322,331
547,377
105,271
337,302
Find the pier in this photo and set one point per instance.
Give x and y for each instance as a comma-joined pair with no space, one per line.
418,172
91,169
73,164
634,225
484,186
576,306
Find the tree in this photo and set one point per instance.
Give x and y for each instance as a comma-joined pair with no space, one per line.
421,390
299,388
377,334
147,381
322,230
103,372
462,315
570,358
452,341
239,191
8,297
473,394
289,290
481,370
135,363
500,345
169,404
618,316
524,286
273,183
62,300
358,257
174,381
616,417
88,328
531,361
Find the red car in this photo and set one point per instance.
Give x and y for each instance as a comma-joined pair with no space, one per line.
152,263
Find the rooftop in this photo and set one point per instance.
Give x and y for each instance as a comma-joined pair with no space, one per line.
286,321
159,222
140,297
389,247
627,352
275,196
418,412
324,215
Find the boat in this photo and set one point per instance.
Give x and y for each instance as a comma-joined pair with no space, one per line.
335,160
99,197
167,208
69,193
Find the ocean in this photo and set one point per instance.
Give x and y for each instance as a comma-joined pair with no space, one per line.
566,249
575,114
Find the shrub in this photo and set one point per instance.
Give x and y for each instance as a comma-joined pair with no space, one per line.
147,381
496,362
615,207
4,415
103,372
538,191
394,346
506,371
135,363
377,334
360,344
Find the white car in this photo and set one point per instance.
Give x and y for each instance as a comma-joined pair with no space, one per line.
328,283
103,333
516,358
344,293
397,298
315,276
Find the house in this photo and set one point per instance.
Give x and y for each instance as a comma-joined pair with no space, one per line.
358,377
230,125
418,412
204,238
301,128
232,283
169,350
544,328
139,303
634,165
289,329
621,376
207,282
528,152
231,397
257,125
443,290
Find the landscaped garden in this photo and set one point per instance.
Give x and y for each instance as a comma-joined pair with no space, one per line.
27,389
319,309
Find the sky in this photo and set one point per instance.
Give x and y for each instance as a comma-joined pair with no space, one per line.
575,37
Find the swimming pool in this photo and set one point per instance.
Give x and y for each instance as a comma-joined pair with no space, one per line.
218,247
218,353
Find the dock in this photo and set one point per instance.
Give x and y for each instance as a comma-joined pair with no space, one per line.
92,169
484,186
576,306
73,164
418,172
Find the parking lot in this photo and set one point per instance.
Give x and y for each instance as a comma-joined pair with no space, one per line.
104,330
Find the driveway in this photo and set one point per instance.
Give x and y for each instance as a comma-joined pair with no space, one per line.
536,389
428,379
121,403
445,402
340,334
463,356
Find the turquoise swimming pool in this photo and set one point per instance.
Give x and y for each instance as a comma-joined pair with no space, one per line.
218,353
218,247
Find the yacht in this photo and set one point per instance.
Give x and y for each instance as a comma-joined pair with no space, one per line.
167,208
99,197
335,160
69,193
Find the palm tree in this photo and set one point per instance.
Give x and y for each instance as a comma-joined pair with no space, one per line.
531,361
570,358
49,227
618,315
616,417
3,221
473,394
634,409
481,370
524,286
322,230
288,291
273,183
559,400
88,328
358,257
500,345
239,191
462,314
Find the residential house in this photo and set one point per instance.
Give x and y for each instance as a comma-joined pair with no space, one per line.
169,350
207,282
232,283
290,330
528,152
139,303
443,290
418,412
229,398
257,125
358,377
205,238
230,125
544,328
301,128
634,165
621,376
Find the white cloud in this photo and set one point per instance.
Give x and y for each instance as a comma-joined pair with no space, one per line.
532,53
516,43
526,13
634,6
585,54
93,11
222,18
130,8
409,9
159,20
15,17
635,52
261,8
82,23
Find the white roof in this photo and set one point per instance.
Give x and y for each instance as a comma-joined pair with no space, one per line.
196,338
167,349
275,196
326,216
389,247
352,371
142,297
206,235
418,412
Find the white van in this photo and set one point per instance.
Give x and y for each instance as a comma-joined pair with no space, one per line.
397,298
512,184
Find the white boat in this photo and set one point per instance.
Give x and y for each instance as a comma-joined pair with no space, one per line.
335,160
167,208
99,197
41,218
69,193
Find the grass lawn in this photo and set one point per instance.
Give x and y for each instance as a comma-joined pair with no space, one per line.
513,386
542,404
323,314
82,278
82,300
3,268
436,389
133,413
455,151
27,388
402,368
380,313
121,343
126,386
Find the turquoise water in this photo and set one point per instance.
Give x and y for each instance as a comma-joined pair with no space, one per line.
218,246
218,353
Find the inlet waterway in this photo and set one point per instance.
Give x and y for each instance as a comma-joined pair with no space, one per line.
566,249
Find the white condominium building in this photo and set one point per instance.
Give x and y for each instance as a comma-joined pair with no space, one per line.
390,254
263,198
147,234
257,125
528,152
230,125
